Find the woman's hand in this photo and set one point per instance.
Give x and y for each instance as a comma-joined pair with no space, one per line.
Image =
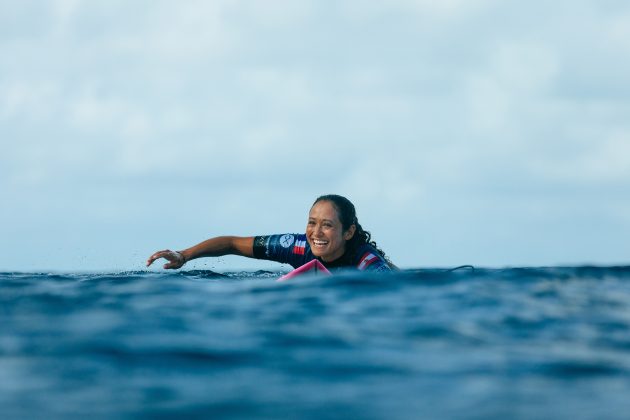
175,258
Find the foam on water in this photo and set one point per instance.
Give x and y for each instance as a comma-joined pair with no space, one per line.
484,343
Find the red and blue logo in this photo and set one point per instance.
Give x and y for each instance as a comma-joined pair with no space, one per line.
366,260
299,247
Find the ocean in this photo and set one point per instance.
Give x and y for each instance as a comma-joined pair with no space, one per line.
513,343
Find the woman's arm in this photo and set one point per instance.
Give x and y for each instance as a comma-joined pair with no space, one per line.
214,247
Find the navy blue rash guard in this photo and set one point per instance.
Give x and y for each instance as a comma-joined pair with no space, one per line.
294,249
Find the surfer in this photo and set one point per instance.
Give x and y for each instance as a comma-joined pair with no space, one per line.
333,236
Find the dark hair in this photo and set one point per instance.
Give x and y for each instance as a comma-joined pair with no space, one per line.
348,217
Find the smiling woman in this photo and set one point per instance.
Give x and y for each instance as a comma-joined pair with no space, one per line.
333,236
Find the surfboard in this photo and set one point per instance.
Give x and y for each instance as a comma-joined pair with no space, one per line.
311,267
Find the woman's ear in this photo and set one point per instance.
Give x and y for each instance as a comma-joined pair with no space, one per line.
350,232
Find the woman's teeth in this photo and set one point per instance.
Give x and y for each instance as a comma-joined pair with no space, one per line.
320,243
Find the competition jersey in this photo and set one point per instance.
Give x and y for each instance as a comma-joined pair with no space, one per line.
295,250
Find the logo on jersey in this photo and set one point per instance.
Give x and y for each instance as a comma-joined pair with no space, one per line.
299,247
286,240
366,260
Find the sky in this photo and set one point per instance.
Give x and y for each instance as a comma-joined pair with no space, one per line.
486,132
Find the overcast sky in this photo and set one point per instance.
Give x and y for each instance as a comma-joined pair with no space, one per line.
493,133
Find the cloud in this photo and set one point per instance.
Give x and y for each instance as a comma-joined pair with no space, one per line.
443,110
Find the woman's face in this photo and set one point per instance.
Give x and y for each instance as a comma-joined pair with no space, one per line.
324,232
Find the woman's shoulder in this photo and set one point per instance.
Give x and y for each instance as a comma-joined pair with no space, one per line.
268,245
367,257
289,248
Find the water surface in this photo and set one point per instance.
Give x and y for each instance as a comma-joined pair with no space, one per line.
489,343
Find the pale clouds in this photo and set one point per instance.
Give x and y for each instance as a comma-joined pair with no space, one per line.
486,117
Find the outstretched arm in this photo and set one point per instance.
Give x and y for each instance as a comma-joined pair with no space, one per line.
214,247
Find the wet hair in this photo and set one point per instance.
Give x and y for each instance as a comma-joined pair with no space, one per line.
348,216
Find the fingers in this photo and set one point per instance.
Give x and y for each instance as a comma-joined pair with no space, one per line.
175,259
158,255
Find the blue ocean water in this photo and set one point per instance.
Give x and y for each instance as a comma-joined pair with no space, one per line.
517,343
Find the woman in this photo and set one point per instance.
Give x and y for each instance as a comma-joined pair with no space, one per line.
333,236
